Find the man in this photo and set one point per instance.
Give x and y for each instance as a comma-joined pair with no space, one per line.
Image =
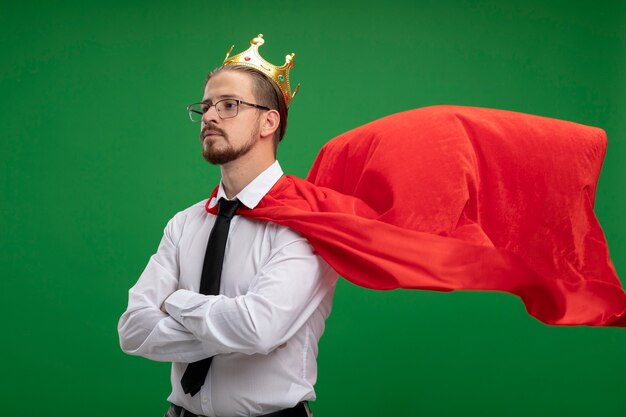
433,224
262,330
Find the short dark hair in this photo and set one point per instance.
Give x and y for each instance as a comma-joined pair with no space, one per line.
265,91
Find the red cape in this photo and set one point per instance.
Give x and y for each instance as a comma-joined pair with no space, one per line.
448,197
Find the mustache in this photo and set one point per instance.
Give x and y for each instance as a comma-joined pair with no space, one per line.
209,128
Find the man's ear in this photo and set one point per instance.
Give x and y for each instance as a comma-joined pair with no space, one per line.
270,123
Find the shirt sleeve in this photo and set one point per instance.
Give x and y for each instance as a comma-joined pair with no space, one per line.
282,297
143,329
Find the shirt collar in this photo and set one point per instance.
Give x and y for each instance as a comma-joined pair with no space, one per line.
255,190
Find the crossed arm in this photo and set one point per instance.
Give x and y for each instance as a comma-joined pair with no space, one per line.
165,323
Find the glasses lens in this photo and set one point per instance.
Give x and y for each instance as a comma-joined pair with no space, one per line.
227,108
195,112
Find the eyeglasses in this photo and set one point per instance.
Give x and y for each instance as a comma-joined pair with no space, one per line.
226,109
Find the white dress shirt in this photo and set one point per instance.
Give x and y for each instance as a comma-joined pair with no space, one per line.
262,330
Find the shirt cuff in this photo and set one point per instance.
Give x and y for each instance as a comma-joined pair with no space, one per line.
180,300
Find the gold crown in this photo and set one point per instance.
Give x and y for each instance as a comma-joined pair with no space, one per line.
251,57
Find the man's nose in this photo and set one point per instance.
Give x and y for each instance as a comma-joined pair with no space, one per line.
210,115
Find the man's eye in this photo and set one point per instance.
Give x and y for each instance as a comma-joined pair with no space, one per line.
204,108
229,105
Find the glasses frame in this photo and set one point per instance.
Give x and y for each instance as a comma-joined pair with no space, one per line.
191,111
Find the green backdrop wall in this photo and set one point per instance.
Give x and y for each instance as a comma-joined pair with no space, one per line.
97,154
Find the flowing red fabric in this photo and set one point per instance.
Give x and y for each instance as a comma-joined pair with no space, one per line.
460,198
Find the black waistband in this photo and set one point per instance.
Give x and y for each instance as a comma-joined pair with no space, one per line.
299,410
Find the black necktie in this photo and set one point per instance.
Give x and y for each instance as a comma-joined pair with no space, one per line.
196,372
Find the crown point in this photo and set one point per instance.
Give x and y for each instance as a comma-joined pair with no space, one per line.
258,40
229,51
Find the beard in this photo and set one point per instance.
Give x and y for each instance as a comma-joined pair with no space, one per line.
220,151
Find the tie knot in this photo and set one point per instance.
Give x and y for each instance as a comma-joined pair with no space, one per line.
227,208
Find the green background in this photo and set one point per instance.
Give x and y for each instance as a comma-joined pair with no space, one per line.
97,154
